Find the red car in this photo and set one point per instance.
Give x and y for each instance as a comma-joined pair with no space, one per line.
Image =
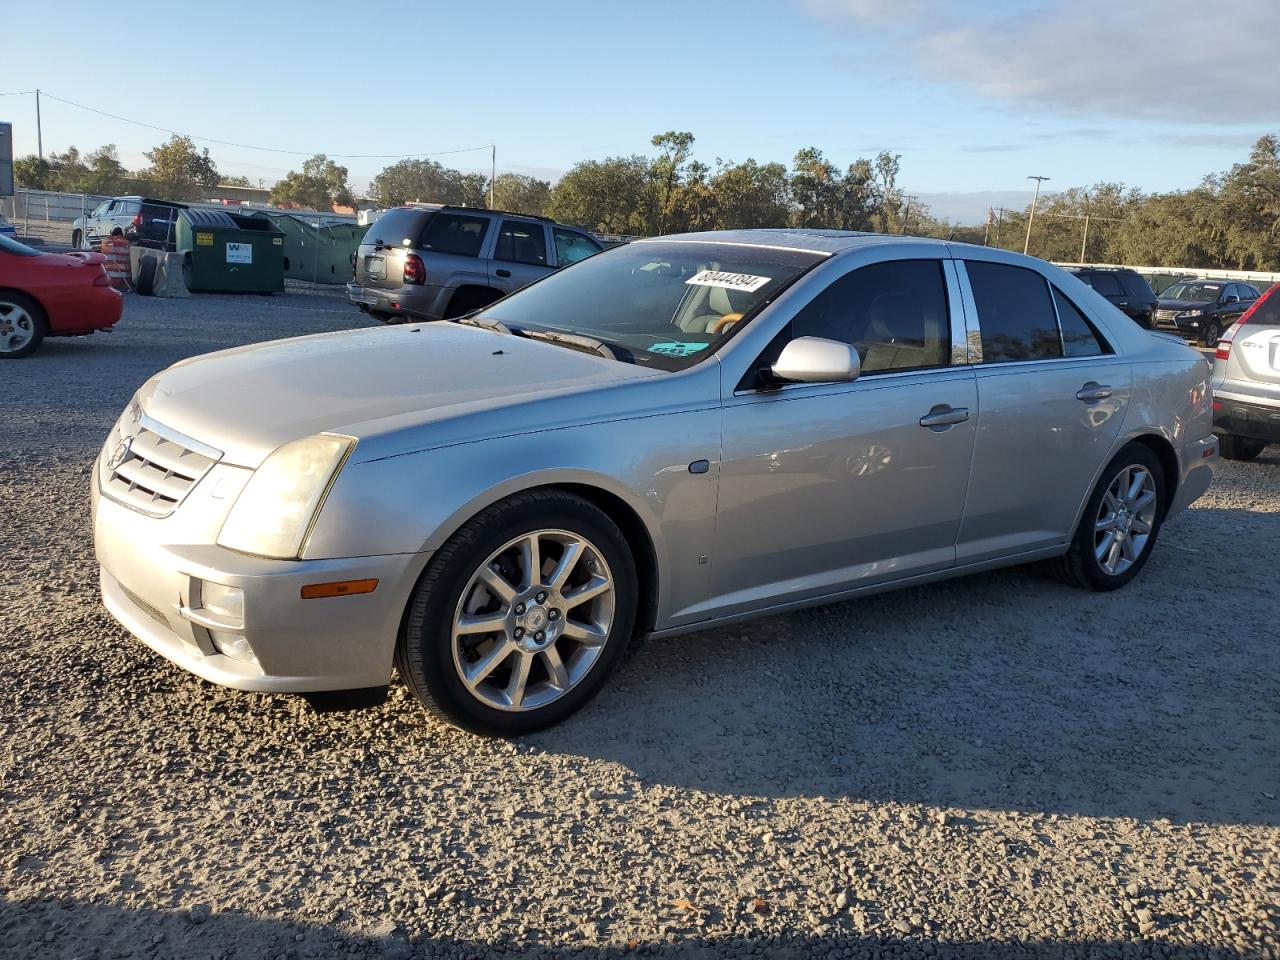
51,295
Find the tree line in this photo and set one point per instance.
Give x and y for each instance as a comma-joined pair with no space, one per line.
1230,220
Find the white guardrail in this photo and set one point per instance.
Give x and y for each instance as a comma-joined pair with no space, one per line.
49,206
1200,273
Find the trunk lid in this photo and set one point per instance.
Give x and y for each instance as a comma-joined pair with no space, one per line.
380,257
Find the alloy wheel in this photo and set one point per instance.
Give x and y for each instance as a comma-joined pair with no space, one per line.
533,620
1126,519
17,327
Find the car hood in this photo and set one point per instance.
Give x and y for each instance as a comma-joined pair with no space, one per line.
384,386
1164,304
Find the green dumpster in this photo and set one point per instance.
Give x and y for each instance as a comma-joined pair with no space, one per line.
318,249
230,253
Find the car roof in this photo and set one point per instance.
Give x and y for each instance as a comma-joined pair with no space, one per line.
800,238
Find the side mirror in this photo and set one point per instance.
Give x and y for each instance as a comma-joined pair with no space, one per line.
1231,299
817,360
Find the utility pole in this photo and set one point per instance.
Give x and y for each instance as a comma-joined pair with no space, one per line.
1084,240
907,212
1000,211
39,132
493,170
1026,244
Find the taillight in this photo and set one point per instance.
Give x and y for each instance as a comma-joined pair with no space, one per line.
415,270
1224,341
137,219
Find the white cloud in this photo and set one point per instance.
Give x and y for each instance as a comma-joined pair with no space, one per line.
1165,59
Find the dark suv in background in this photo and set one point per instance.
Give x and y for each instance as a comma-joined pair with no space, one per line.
432,262
143,222
1203,309
1125,289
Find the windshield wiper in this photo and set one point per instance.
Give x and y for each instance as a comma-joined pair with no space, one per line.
485,323
574,341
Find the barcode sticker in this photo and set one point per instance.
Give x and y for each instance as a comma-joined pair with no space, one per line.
731,281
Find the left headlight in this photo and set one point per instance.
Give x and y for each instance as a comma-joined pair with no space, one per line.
1191,313
277,507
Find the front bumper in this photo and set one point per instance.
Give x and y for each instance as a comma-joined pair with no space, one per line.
1243,418
154,589
405,301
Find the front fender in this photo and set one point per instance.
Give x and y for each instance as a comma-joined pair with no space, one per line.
413,503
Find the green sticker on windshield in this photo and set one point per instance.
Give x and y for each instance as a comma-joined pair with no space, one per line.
676,348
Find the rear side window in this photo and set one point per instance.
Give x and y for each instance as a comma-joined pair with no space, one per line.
1134,285
894,313
1266,312
1079,339
396,228
1014,310
1105,283
455,233
522,242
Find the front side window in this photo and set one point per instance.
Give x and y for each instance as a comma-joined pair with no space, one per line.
572,246
101,209
1014,310
522,242
659,303
894,314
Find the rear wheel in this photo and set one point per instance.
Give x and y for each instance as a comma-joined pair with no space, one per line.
22,326
467,301
1233,447
1120,524
520,618
1211,333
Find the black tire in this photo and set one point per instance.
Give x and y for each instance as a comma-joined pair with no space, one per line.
37,318
146,284
1211,333
1079,566
424,654
466,301
76,238
1233,447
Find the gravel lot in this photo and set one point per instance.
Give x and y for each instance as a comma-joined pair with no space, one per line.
995,767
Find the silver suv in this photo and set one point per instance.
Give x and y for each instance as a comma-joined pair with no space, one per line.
434,262
1246,381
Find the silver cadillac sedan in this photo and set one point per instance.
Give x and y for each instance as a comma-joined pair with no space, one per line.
671,435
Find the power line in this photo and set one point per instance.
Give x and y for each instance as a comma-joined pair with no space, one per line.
250,146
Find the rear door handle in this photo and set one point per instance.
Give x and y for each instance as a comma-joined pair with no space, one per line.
943,416
1092,392
502,273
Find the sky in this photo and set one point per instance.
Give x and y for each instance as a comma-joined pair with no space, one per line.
973,96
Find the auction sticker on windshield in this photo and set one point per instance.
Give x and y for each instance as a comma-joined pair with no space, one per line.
733,281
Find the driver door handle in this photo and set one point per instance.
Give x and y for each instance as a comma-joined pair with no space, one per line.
502,273
944,415
1093,391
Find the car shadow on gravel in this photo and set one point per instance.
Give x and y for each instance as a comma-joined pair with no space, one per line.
69,928
1002,691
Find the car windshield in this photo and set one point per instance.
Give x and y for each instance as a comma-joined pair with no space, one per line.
9,245
1195,292
661,303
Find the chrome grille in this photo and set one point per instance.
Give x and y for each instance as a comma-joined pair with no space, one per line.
154,469
1166,314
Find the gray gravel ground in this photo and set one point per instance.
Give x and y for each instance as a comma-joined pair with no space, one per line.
995,767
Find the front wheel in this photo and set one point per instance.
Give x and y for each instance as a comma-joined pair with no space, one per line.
1120,524
76,238
1211,333
520,618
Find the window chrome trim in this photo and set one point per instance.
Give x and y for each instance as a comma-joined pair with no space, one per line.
872,377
